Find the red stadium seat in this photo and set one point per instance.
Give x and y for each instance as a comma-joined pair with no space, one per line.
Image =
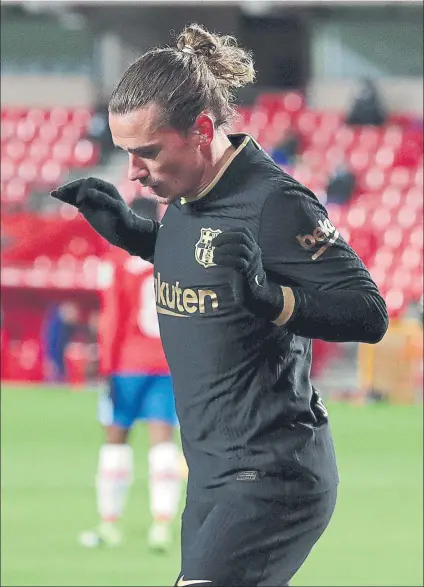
400,177
411,258
15,150
70,134
381,219
25,130
51,172
37,116
356,217
28,171
60,116
374,179
400,278
293,102
379,274
416,286
333,156
406,217
395,301
385,157
413,198
418,178
331,121
416,238
38,151
85,154
393,237
81,117
48,133
384,258
344,137
409,155
8,169
62,153
364,242
16,191
359,160
335,213
391,198
369,137
346,234
307,122
320,138
259,118
392,137
8,130
14,114
281,121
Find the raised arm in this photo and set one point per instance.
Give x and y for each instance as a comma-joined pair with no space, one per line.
102,206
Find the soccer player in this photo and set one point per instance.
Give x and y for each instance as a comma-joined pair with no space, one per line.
140,388
248,269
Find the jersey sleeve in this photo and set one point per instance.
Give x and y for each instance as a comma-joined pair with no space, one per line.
335,298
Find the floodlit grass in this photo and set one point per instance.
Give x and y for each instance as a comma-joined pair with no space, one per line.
50,444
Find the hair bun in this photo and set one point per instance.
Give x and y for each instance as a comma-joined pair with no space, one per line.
188,49
197,40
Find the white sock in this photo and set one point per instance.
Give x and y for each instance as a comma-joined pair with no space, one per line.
164,481
114,477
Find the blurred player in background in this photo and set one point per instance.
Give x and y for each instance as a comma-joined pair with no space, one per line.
61,324
140,388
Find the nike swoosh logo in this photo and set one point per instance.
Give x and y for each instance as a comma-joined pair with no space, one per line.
182,583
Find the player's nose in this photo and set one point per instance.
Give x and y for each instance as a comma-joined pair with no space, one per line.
136,168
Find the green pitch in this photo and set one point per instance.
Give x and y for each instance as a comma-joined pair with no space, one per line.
49,449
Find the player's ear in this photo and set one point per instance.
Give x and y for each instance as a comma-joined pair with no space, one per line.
204,129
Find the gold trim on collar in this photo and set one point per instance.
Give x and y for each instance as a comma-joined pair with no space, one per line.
220,173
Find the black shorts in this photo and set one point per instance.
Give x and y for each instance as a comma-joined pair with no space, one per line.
247,540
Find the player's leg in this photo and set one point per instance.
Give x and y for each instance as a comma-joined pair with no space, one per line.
251,541
306,519
113,481
164,459
117,412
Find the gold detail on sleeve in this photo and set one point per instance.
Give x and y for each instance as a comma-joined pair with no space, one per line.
288,309
325,247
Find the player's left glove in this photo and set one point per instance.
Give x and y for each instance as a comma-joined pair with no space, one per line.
238,249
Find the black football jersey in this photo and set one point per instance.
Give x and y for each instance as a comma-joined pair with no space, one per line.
242,385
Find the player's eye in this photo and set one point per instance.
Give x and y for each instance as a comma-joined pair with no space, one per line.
148,153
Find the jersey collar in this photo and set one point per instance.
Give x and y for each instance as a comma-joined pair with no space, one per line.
240,141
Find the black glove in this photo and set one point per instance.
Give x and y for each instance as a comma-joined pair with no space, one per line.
102,206
237,248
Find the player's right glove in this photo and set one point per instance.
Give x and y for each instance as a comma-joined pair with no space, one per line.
102,206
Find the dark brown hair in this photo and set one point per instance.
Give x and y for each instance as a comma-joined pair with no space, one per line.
199,74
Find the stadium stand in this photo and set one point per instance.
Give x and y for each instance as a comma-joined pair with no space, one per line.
383,220
38,148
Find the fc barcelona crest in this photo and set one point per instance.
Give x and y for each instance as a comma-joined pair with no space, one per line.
203,251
